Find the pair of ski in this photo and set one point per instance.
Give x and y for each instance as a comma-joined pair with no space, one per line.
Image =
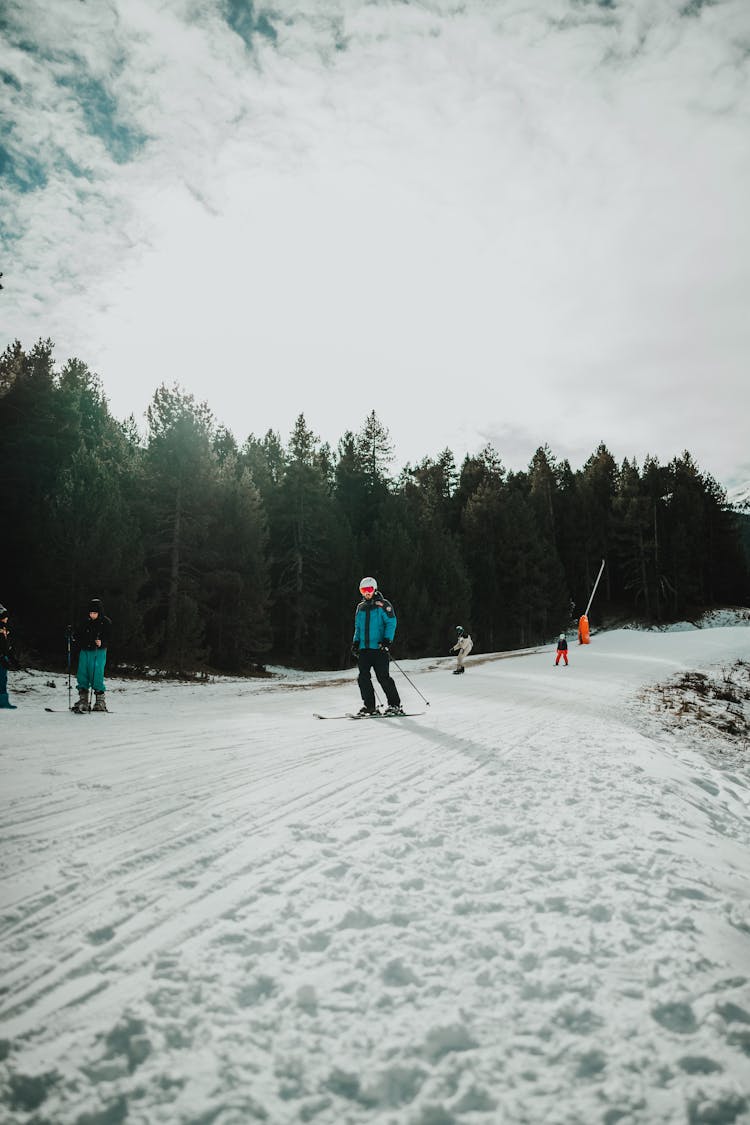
70,711
376,715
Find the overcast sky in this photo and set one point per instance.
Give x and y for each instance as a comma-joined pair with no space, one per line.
517,221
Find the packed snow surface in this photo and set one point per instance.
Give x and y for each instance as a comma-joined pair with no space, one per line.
530,904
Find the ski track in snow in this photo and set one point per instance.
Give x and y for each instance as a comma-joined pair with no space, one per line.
522,907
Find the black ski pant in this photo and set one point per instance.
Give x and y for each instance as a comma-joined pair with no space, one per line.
370,659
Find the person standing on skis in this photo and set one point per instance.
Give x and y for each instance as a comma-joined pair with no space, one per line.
462,648
92,636
374,630
562,650
7,660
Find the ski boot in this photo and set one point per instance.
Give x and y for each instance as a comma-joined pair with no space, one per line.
458,671
5,703
100,704
395,709
82,706
366,711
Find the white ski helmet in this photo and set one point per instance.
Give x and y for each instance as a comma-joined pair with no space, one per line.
368,584
460,630
562,636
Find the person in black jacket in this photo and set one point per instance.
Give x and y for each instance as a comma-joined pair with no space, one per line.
92,637
562,650
7,660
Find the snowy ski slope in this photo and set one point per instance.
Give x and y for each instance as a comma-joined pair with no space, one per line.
530,905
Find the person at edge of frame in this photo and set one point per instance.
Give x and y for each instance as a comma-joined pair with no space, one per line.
7,660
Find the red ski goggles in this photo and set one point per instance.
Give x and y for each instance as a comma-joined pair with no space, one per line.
367,589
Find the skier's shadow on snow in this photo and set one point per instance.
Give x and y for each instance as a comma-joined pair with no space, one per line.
482,755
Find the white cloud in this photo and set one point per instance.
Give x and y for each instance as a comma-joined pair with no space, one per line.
479,220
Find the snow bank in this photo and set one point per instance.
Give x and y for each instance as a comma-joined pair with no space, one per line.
712,619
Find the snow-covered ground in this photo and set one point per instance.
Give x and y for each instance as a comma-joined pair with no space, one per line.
739,496
530,904
711,619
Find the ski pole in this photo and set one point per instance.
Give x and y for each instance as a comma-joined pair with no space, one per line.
403,673
68,632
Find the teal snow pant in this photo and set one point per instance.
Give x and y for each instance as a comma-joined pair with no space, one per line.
91,663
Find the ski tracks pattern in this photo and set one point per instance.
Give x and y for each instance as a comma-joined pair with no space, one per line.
454,921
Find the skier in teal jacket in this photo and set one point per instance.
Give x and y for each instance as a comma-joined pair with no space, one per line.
374,630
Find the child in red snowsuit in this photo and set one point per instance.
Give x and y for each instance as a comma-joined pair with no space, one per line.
562,650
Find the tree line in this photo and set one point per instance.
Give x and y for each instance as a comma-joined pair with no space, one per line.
209,554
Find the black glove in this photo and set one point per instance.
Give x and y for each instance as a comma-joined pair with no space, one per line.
355,648
385,646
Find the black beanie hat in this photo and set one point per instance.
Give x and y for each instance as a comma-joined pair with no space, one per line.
95,604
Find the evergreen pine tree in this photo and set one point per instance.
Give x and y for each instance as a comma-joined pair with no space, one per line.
180,485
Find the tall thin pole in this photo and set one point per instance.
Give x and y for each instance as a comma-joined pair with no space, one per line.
403,673
68,633
588,607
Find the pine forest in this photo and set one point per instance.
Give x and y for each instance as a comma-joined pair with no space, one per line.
209,555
